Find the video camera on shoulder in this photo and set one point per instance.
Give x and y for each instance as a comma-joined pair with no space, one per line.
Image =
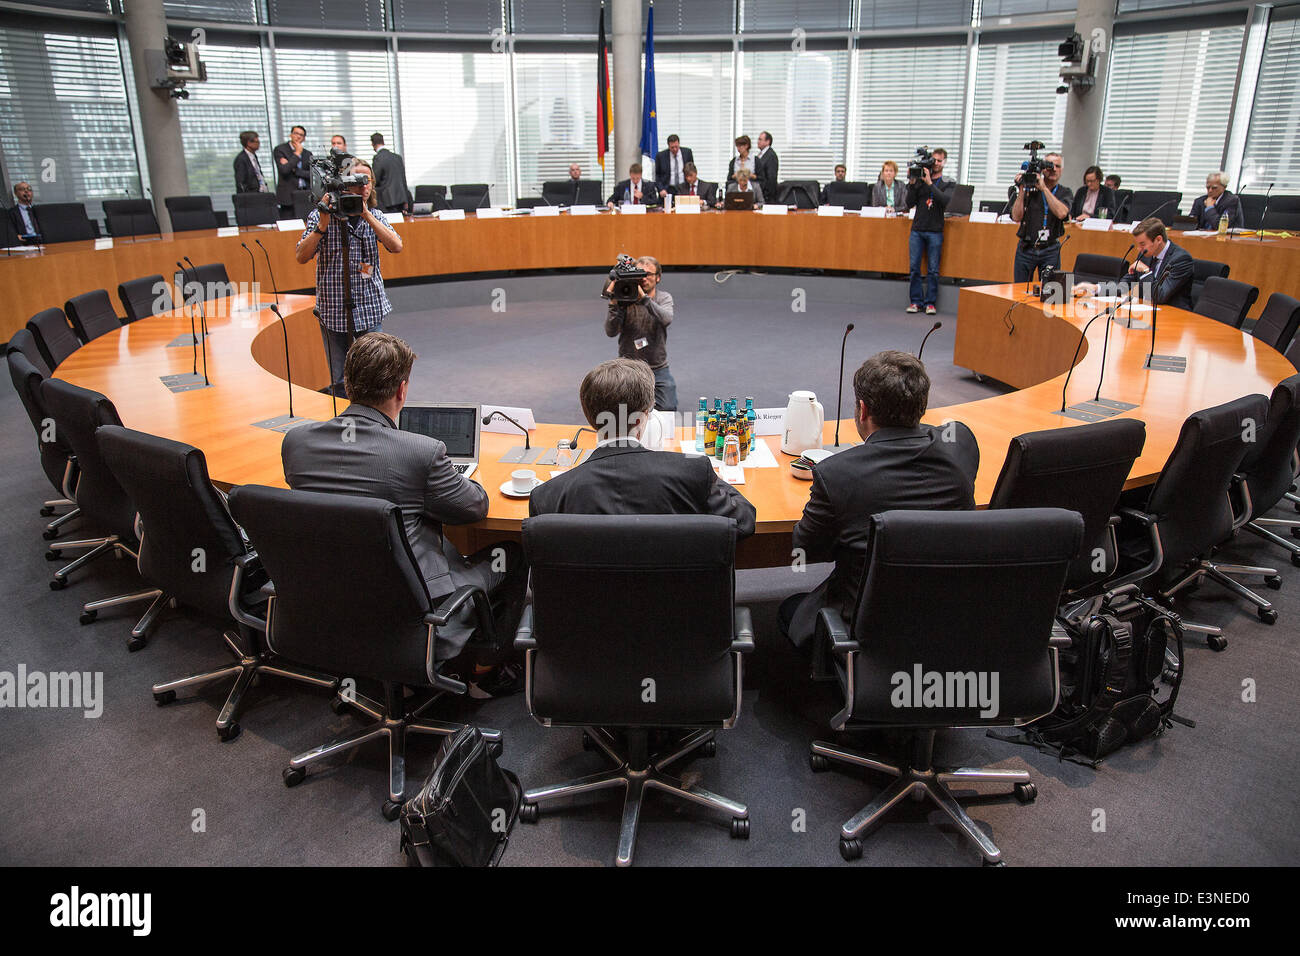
327,179
625,281
918,164
1033,167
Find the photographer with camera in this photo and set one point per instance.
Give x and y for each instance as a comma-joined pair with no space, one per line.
639,314
928,192
1042,208
343,233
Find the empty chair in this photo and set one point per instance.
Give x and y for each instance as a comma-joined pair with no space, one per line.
1091,267
959,203
588,660
850,195
255,209
563,192
1083,469
1268,471
65,222
91,315
54,336
24,341
529,202
302,204
1144,203
382,626
146,296
1283,213
1278,322
430,193
130,217
26,371
1226,300
993,205
1122,196
189,213
800,193
470,196
1203,269
9,236
966,598
206,281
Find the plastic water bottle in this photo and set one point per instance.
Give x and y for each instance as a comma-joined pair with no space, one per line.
701,424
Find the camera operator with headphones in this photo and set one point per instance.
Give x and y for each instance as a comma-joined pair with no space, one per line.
1042,208
327,227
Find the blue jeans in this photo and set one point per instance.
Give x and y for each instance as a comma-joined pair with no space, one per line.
336,349
665,390
1030,260
924,292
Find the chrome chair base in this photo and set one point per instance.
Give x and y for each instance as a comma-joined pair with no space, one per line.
1260,526
932,782
636,777
245,670
112,544
1220,574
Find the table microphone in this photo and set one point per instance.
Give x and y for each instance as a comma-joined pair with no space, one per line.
194,336
1264,212
253,260
1082,336
487,420
203,322
573,444
288,373
275,287
934,328
839,395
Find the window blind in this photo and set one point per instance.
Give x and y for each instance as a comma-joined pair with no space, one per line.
555,101
346,91
1273,143
801,99
693,93
782,16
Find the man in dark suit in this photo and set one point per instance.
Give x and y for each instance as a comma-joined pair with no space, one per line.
23,214
670,164
621,477
901,464
390,178
767,167
1168,265
1216,204
292,168
694,186
362,452
248,171
634,190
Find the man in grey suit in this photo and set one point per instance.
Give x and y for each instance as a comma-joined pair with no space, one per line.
362,452
390,178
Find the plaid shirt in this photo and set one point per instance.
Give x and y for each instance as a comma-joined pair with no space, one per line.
369,302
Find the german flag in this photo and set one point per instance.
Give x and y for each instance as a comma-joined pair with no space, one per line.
604,104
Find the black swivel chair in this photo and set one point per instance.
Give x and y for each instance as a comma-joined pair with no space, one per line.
959,203
470,196
65,222
184,519
24,341
143,297
1083,469
1283,213
1143,202
617,599
255,209
992,205
850,195
348,597
189,213
27,372
206,281
800,193
77,414
1252,209
1091,267
1278,322
1268,472
130,217
1189,509
302,204
54,336
970,594
1226,300
530,202
1203,269
431,194
92,315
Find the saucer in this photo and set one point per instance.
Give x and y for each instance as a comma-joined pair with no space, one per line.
507,488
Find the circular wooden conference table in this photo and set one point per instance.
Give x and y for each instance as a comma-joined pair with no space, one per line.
1001,332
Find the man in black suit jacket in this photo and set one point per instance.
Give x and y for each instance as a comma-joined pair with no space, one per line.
670,164
22,215
901,464
767,166
248,172
1216,204
621,477
635,190
292,169
390,178
694,186
1170,266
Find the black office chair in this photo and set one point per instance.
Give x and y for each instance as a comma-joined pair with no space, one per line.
206,281
91,315
1252,209
348,598
77,414
1283,213
190,213
1278,322
54,336
959,203
130,217
470,196
1203,269
992,205
662,605
184,521
530,202
23,341
1268,472
255,209
1226,300
1144,202
27,372
1188,511
850,195
302,204
9,236
800,193
965,596
561,192
65,222
431,194
1091,267
1083,469
146,296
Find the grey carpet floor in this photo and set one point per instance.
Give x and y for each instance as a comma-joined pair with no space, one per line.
147,785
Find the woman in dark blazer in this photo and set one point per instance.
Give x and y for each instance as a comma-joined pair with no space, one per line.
1086,205
880,192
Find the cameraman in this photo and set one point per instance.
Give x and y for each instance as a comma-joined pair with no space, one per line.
1042,208
642,330
928,193
325,234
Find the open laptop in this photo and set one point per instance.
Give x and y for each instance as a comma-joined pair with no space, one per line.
456,426
739,200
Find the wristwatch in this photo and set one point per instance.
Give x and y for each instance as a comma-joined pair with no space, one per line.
323,232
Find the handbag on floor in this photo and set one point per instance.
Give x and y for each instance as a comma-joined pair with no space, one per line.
465,811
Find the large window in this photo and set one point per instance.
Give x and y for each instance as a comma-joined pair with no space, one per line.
693,94
802,100
336,90
555,102
1273,145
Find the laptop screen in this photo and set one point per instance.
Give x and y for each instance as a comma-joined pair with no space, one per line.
456,426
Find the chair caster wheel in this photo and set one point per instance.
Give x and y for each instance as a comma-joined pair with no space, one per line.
1274,581
496,748
587,742
1268,616
529,812
392,810
228,733
292,776
53,555
850,849
1026,792
818,763
134,643
88,617
708,749
49,534
1217,642
995,863
1169,675
58,584
46,511
338,704
165,698
740,828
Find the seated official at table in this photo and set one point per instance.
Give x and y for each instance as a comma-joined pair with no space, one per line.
1168,265
362,452
1093,199
841,173
746,184
621,477
23,214
635,190
901,464
694,186
1216,204
887,191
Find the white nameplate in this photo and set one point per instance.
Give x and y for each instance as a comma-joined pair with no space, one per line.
103,243
1125,226
225,231
546,210
446,215
773,210
489,212
394,217
582,210
687,209
524,416
290,225
769,421
830,210
872,212
984,217
633,209
1096,225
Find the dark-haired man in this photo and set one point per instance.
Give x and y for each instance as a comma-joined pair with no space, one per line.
1161,263
293,169
670,164
767,165
642,330
248,171
694,186
634,190
901,464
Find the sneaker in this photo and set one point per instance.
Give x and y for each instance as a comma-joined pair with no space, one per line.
913,308
931,310
499,682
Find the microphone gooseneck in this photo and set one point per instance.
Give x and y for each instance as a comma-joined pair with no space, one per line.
252,260
1082,336
934,328
288,372
487,420
839,395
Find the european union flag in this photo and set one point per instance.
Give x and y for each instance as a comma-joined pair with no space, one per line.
649,117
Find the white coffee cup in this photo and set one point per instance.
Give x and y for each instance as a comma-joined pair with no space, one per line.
522,481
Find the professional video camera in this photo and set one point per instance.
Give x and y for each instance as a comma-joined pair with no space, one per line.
918,164
624,286
327,179
1033,167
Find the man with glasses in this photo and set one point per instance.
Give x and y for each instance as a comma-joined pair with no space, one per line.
293,168
1042,208
248,171
1217,204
